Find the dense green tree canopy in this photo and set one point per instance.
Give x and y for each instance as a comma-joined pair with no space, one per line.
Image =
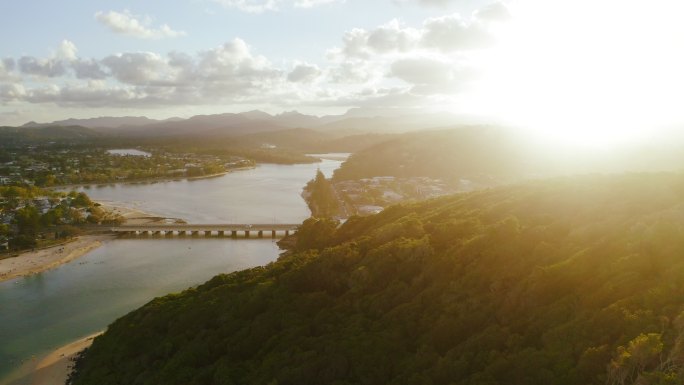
321,198
570,281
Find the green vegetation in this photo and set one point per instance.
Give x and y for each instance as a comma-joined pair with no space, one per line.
223,148
321,197
31,217
67,134
478,153
569,281
50,165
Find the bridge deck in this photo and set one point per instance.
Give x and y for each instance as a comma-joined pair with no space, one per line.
205,227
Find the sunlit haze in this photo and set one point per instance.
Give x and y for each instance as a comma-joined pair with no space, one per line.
588,72
578,72
462,192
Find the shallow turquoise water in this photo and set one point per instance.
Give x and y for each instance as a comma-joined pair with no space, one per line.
42,312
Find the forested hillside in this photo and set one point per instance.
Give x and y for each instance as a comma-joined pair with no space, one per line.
568,281
494,155
39,134
472,152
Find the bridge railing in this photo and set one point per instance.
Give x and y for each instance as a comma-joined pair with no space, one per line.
220,230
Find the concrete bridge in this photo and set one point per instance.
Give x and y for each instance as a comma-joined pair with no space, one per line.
208,230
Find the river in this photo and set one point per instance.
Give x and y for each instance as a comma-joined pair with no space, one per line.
269,193
42,312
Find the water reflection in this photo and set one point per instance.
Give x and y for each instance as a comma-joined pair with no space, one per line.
41,312
266,194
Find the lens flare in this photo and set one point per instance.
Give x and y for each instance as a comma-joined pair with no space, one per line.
587,72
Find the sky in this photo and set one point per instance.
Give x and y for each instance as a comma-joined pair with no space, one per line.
599,69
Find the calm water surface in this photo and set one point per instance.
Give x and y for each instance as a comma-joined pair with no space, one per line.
42,312
269,193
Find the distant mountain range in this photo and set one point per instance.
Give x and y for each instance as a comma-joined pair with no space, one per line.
355,121
47,133
102,122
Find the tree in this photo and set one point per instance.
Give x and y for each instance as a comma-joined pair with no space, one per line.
81,200
28,221
22,242
4,231
322,199
642,353
315,233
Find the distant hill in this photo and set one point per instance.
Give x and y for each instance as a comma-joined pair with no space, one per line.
463,152
47,133
401,122
501,155
312,141
102,122
233,124
569,281
207,125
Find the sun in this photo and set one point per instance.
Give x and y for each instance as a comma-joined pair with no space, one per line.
592,73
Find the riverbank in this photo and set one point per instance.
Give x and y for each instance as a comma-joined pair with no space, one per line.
134,216
38,261
54,368
34,262
147,180
125,274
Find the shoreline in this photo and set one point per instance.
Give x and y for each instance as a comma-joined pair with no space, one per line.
35,262
53,368
40,260
146,181
133,216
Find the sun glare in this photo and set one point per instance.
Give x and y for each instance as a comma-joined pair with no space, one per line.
592,73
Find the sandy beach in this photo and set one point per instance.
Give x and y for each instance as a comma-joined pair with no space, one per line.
34,262
54,368
131,215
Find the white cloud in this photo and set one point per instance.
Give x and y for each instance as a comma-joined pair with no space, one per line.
446,33
137,68
6,67
62,62
261,6
387,38
433,75
450,33
228,73
423,70
233,63
251,6
314,3
356,72
392,36
91,94
56,65
128,24
88,69
50,68
388,66
429,3
493,12
66,51
304,73
11,92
